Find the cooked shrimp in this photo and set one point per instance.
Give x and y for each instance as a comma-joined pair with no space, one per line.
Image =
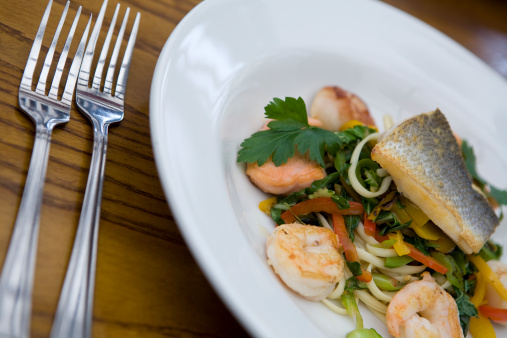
492,297
298,173
334,106
306,258
423,309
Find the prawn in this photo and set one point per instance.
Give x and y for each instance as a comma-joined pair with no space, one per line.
423,309
492,297
334,106
297,173
306,258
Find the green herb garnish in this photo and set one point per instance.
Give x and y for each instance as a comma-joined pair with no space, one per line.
290,129
465,308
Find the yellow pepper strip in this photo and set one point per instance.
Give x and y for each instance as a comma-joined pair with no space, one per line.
489,275
401,214
419,217
351,124
266,205
399,246
445,244
480,290
427,231
481,327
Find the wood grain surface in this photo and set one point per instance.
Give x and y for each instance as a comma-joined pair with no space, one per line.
148,284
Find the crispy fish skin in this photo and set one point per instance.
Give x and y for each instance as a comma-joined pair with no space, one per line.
427,165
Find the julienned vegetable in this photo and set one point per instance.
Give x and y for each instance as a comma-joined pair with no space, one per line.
320,204
430,262
480,325
350,249
489,275
363,333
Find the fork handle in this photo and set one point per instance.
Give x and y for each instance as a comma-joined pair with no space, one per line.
16,281
74,312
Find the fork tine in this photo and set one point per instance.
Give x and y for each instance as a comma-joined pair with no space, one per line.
84,72
53,92
41,86
114,56
119,91
26,80
74,68
105,48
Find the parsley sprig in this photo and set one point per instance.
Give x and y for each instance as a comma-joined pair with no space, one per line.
289,132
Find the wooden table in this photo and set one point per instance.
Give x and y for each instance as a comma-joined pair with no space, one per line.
148,284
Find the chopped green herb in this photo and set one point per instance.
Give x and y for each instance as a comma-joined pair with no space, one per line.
397,226
354,267
420,244
465,308
351,223
353,283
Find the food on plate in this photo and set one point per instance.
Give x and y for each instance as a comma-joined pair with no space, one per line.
306,259
427,166
335,106
392,221
423,309
297,173
497,306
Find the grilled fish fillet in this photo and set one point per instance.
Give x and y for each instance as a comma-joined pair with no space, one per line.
426,163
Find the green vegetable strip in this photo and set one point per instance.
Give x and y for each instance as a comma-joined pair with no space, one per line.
396,262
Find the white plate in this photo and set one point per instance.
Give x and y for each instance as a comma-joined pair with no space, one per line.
227,59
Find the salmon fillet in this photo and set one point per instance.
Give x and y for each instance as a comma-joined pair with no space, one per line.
426,163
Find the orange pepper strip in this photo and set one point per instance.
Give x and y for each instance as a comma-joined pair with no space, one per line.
429,261
366,276
320,204
349,247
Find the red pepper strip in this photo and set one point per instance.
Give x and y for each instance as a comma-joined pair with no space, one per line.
348,246
498,315
341,231
429,261
370,228
320,204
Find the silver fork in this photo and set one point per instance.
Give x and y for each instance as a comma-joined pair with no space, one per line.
74,312
46,111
